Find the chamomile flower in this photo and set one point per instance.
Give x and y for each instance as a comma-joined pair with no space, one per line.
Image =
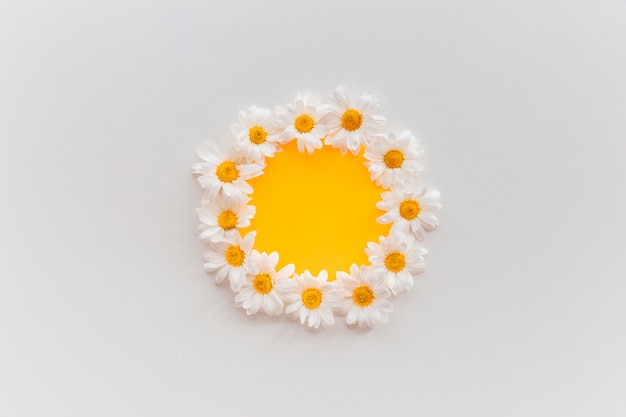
224,174
264,289
364,296
222,217
304,121
231,258
256,134
411,212
314,298
398,259
352,123
394,160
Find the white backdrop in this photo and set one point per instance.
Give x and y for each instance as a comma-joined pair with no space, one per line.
105,309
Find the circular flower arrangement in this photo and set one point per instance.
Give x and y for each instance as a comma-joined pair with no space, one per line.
394,162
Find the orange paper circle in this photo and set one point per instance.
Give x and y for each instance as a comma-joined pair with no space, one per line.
318,211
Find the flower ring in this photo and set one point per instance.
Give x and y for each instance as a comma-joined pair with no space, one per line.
339,212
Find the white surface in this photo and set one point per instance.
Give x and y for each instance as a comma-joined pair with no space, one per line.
105,309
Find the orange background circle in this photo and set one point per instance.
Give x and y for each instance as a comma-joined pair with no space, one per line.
318,211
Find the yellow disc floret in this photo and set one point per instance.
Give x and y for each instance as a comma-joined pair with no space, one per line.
312,298
395,262
363,296
235,256
257,135
263,283
227,171
394,159
227,220
351,120
409,209
304,123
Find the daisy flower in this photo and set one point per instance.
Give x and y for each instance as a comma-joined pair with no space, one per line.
394,159
231,258
264,288
351,124
256,134
411,212
304,120
398,259
222,217
225,174
314,298
364,296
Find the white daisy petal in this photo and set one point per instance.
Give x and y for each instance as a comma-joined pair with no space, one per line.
352,315
326,315
253,304
314,318
304,312
286,271
220,274
293,307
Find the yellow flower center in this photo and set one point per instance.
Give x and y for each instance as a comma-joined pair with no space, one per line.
304,123
363,296
257,135
409,209
227,220
394,158
263,283
235,256
312,298
395,262
227,171
351,120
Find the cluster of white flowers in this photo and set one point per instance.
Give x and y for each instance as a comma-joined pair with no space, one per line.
394,162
